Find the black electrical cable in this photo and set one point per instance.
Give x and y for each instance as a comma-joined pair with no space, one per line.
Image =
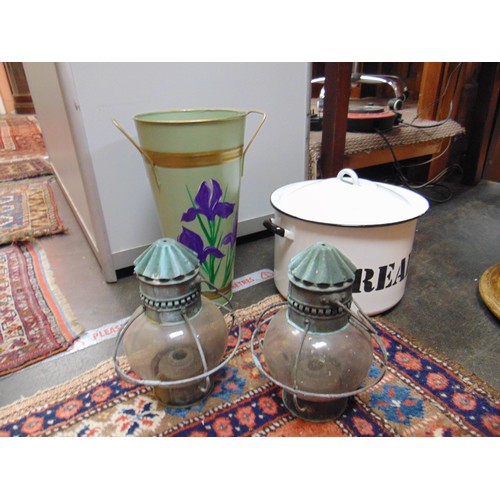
432,184
448,118
434,125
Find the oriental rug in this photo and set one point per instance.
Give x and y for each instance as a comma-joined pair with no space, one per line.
28,210
35,320
20,137
24,169
421,394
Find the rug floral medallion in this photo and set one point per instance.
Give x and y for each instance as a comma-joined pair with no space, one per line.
28,210
420,395
36,322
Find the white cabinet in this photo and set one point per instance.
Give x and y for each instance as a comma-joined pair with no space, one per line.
118,196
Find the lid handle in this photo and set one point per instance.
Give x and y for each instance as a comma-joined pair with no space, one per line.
351,174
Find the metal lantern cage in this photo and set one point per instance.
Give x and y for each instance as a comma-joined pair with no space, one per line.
318,349
177,339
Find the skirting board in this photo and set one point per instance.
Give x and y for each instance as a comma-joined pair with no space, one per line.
125,258
85,230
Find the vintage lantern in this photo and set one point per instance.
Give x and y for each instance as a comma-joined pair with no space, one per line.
177,339
318,348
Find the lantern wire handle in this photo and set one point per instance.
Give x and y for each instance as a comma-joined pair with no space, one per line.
366,319
200,350
296,367
266,311
219,293
363,321
360,318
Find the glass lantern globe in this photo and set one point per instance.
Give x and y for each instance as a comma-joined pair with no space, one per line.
317,349
177,338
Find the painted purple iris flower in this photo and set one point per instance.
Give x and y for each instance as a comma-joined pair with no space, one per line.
191,240
208,203
206,212
230,238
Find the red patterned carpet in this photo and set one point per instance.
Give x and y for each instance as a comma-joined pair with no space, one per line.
23,169
28,210
27,205
36,323
421,395
20,137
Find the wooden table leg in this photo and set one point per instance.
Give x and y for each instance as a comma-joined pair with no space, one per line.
337,93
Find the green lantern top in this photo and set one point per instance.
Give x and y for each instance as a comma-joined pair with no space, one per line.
167,260
321,267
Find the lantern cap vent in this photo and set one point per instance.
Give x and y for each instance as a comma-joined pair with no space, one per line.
167,260
321,267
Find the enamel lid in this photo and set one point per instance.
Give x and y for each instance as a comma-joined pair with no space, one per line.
347,200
